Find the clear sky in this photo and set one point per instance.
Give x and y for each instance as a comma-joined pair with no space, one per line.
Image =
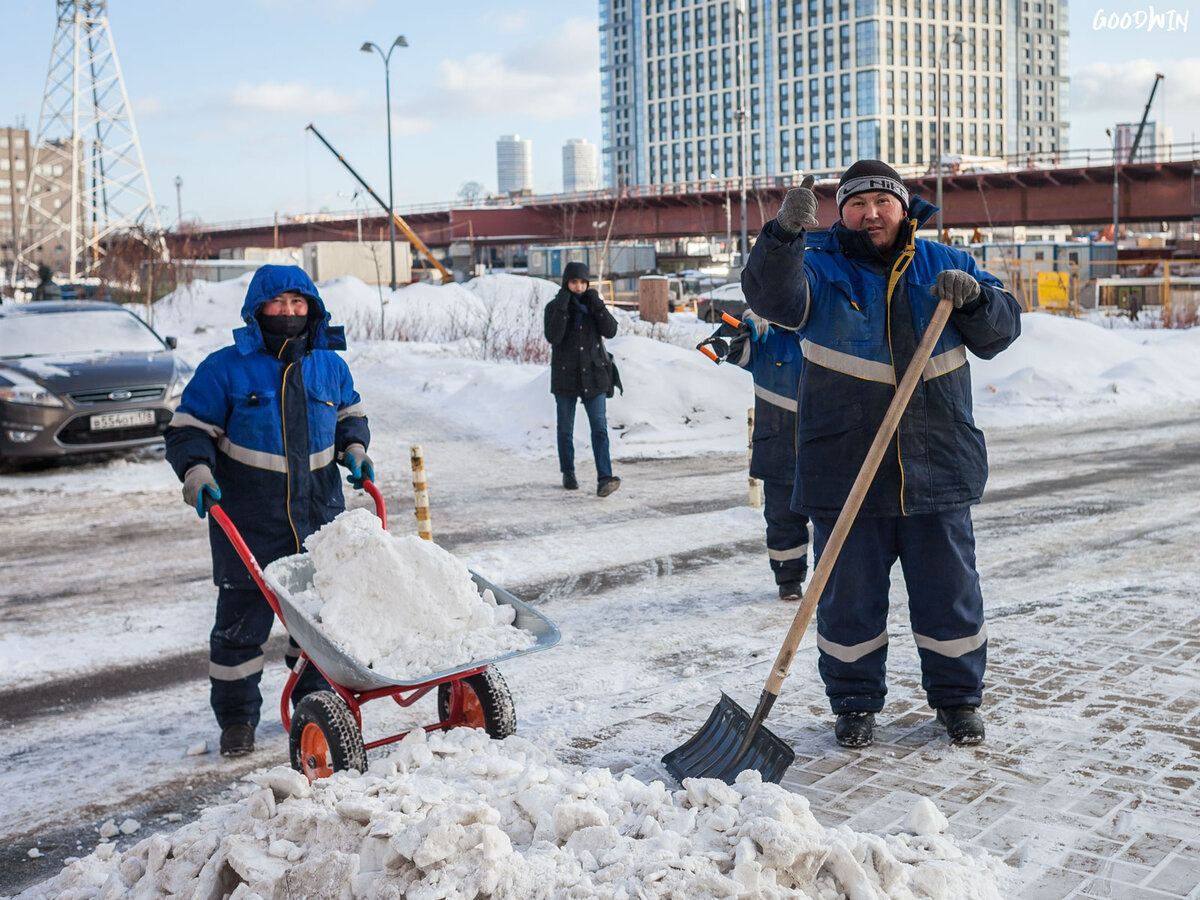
222,91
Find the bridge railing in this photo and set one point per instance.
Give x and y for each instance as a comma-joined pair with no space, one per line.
728,186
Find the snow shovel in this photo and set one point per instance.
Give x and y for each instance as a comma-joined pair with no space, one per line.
731,740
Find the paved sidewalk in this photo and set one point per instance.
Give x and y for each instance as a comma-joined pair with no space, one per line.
1087,785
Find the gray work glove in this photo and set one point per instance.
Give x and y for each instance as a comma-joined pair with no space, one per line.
957,286
198,481
361,468
760,328
799,209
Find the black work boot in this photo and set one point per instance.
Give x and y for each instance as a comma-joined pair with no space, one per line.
237,739
791,591
855,729
963,724
569,481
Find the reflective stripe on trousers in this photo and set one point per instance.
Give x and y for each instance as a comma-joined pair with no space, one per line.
937,558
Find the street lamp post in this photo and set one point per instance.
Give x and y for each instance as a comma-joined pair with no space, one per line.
1116,187
387,58
179,200
958,38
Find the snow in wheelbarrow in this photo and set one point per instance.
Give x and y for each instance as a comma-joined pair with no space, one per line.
294,575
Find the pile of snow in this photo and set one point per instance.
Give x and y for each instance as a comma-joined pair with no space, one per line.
458,815
401,606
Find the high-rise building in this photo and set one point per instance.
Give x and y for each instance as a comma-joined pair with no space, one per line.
1154,145
581,170
514,164
690,87
53,188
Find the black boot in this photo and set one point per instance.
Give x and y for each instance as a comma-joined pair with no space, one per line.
237,739
963,724
791,591
569,481
606,486
855,729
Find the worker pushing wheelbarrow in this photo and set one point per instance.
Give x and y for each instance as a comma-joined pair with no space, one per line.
268,420
325,732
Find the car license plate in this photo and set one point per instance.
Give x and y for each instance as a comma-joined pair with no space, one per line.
129,419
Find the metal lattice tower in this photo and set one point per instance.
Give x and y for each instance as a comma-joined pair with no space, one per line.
88,180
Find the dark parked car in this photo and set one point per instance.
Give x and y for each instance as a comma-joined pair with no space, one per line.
727,298
79,377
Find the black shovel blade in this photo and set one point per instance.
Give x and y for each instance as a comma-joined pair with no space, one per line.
716,751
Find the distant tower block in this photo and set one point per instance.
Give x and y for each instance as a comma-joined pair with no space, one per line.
581,166
514,164
88,180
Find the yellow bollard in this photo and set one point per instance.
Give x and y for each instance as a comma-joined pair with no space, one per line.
756,497
421,493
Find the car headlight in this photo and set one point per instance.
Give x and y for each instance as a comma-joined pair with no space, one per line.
18,389
175,391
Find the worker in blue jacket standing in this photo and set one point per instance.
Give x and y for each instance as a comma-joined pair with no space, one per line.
772,356
861,295
261,427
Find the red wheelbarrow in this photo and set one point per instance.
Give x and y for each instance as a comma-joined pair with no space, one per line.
325,734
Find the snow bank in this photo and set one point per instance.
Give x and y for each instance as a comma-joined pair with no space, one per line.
457,815
401,606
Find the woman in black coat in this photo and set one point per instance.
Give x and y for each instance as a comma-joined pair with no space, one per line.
577,321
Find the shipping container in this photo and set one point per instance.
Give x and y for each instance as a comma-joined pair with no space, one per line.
368,261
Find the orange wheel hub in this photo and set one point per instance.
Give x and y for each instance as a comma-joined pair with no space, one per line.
314,753
472,709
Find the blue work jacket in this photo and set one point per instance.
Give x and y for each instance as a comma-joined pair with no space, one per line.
272,428
860,318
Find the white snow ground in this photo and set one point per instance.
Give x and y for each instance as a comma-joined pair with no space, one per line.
441,816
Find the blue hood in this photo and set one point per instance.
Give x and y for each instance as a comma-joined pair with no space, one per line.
271,281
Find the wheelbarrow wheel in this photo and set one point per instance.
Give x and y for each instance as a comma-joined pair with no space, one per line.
324,737
487,703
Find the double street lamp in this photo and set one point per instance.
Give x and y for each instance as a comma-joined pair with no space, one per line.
957,38
387,58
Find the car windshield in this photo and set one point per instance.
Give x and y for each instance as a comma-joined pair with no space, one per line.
76,331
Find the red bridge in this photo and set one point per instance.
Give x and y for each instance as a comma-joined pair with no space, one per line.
1149,192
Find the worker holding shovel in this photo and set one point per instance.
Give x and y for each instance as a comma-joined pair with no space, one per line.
861,296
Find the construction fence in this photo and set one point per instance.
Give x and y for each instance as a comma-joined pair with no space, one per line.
1160,292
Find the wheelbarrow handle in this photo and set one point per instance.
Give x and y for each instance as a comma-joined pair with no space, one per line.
380,508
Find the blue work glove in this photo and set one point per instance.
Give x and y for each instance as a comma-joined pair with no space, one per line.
198,481
760,328
361,468
956,285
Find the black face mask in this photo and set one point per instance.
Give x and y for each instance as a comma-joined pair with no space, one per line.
286,326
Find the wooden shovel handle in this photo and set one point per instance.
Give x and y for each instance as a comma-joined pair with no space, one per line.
858,492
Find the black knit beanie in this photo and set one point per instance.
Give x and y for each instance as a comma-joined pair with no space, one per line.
870,175
575,270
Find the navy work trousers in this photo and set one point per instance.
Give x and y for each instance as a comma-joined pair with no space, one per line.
595,409
242,626
787,532
945,607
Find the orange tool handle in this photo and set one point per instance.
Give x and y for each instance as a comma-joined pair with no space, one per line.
707,351
730,320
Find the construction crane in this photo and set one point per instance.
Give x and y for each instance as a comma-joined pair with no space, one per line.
1137,138
447,275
